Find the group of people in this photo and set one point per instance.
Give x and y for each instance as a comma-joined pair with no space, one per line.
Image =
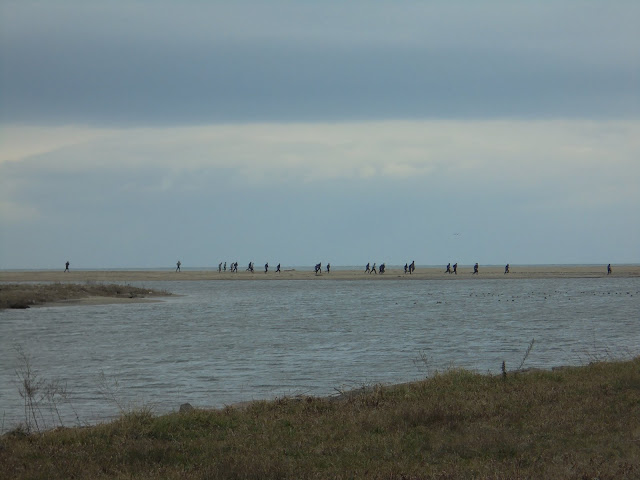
410,267
369,269
318,268
222,267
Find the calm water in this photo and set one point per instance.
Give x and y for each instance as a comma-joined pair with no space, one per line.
226,342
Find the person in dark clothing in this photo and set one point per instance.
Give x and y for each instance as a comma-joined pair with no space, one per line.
266,267
373,269
382,267
367,269
412,267
455,268
506,269
406,267
178,266
278,269
448,270
328,268
609,269
66,266
475,269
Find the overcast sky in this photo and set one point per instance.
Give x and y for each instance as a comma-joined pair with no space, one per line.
137,133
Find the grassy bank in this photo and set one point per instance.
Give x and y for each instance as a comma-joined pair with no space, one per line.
581,423
24,295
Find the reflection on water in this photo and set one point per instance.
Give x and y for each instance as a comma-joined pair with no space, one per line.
226,342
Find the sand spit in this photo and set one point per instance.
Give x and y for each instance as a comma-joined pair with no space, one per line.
22,295
430,273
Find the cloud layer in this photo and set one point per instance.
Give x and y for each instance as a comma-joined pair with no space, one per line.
341,190
139,63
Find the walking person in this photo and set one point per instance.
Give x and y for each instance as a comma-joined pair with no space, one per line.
406,267
608,269
225,267
328,267
220,267
455,268
412,267
475,269
373,269
178,266
367,269
66,266
266,267
448,270
278,269
506,269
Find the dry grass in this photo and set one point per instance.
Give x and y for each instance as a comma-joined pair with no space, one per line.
23,295
576,423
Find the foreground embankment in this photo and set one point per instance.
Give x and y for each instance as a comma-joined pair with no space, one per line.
26,295
570,423
421,273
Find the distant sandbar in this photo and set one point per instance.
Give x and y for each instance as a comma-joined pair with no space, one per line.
424,273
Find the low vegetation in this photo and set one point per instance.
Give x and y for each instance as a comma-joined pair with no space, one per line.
25,295
571,423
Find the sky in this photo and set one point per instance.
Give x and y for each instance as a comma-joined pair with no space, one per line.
134,134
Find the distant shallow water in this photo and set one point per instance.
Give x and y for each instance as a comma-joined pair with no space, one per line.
224,342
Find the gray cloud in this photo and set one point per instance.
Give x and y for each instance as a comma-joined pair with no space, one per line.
164,64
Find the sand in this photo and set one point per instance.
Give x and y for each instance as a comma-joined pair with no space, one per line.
430,273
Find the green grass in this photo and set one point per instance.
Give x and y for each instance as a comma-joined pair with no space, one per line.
580,423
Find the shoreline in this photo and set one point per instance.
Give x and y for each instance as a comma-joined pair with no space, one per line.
421,273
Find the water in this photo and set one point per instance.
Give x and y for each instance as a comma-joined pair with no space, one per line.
224,342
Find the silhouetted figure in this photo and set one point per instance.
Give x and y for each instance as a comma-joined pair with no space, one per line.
373,269
66,266
382,267
318,268
455,268
225,267
250,267
448,270
506,269
412,267
278,269
235,267
367,269
406,267
219,267
608,268
328,268
178,266
475,269
266,267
